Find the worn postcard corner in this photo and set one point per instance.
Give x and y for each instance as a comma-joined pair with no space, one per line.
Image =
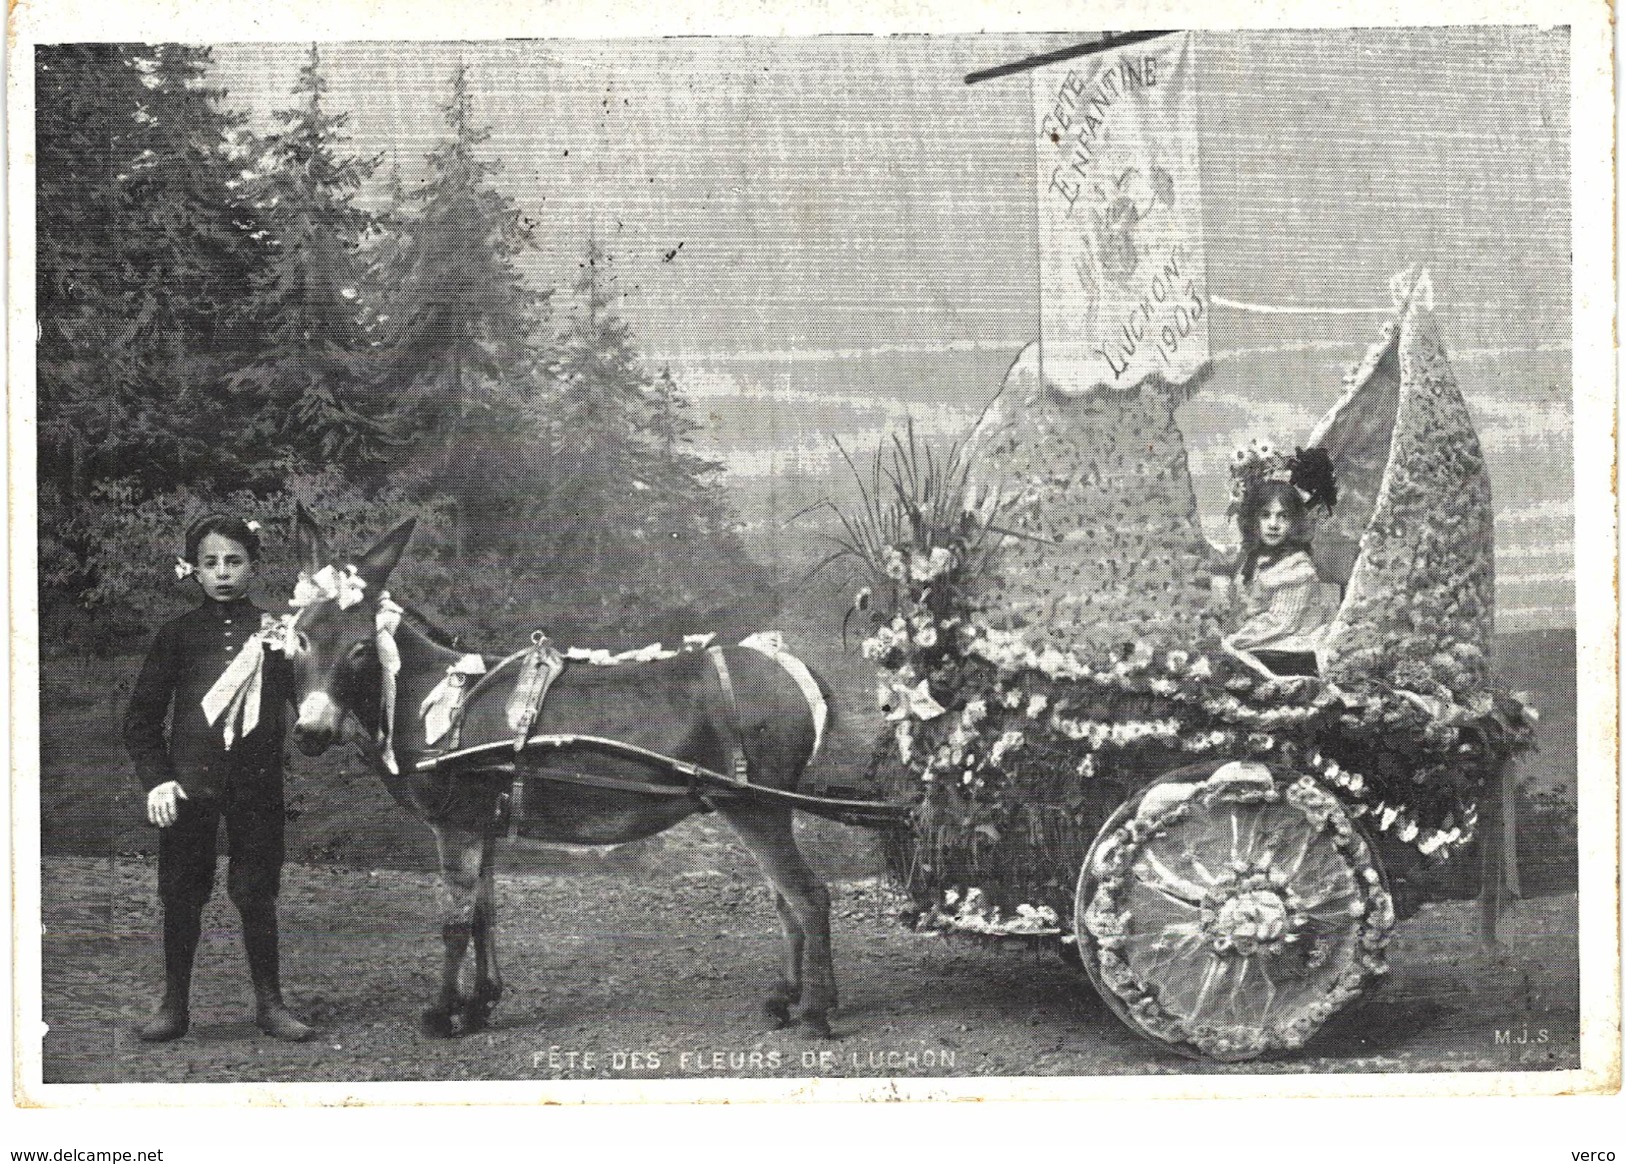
695,558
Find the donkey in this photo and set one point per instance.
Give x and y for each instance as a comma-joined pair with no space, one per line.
678,707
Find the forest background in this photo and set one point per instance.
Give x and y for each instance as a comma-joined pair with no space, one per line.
226,327
244,311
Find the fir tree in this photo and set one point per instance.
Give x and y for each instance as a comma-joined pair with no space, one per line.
631,504
309,386
385,256
671,423
463,328
191,246
86,96
603,390
145,250
673,426
598,418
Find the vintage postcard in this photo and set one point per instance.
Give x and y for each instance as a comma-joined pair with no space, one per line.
721,557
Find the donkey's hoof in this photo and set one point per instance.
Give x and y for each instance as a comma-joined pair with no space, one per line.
818,1024
472,1017
437,1024
779,1011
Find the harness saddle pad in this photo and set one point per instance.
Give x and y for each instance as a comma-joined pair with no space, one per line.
541,665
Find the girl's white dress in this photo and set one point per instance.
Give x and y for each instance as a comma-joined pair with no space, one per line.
1284,608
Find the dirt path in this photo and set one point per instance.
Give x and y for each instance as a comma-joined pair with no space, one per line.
641,976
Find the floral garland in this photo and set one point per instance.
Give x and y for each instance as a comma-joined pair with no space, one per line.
973,912
977,709
346,587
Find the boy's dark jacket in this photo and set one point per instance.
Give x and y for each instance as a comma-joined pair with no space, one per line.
188,654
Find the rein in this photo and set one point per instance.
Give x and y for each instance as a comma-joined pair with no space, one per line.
700,782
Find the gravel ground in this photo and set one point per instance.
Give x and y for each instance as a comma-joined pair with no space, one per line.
642,975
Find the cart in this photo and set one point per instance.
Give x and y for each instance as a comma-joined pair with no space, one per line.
1226,853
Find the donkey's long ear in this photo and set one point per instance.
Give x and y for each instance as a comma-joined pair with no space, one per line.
376,564
308,540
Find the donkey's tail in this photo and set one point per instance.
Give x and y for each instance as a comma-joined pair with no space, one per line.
813,690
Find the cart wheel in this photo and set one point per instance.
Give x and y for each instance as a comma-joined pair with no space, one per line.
1229,913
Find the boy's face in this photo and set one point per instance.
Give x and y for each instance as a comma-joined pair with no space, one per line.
223,568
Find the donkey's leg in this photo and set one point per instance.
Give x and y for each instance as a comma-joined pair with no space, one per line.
766,832
786,992
460,857
487,977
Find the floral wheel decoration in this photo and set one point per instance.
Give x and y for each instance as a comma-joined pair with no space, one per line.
1229,912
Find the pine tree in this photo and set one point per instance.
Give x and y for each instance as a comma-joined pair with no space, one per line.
308,386
603,389
463,329
145,251
630,503
191,246
86,96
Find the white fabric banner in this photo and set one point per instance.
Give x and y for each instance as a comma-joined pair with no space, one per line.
1120,218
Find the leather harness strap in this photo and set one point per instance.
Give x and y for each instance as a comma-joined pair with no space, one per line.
538,668
511,814
459,693
738,765
515,808
541,665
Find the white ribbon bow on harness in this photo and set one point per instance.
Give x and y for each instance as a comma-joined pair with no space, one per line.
438,707
236,694
386,622
344,587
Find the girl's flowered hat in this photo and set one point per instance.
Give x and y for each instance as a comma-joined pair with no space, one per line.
1309,471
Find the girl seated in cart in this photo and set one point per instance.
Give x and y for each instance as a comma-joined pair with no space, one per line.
1283,608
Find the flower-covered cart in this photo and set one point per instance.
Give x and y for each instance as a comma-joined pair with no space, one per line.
1227,852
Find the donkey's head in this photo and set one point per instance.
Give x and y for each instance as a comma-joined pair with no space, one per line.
335,634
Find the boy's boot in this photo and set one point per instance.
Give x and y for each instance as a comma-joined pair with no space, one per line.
182,926
271,1014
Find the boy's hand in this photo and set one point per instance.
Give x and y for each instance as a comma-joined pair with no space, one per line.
162,803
